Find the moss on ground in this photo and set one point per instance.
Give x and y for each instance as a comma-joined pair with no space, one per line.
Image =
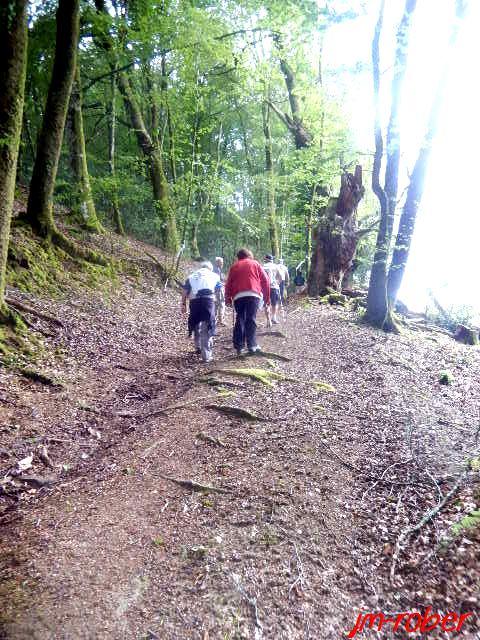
40,267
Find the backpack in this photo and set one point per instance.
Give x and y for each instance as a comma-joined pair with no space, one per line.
271,270
203,283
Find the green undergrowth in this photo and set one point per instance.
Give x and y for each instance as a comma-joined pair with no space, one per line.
18,345
39,267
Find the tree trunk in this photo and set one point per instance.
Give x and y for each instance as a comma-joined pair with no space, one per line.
84,206
13,56
336,237
377,306
294,123
194,250
112,128
146,143
171,132
157,173
377,290
270,176
415,188
40,200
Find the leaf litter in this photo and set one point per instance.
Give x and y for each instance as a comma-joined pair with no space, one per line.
315,503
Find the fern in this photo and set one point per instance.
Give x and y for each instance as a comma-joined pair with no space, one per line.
470,521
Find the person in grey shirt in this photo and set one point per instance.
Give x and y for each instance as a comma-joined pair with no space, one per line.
220,291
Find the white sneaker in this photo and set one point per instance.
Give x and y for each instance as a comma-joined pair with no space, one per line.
254,349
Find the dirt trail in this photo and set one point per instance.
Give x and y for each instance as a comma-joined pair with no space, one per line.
297,546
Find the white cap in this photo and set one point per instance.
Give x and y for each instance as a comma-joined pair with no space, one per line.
206,264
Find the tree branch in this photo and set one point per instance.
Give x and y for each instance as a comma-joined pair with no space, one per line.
283,116
108,74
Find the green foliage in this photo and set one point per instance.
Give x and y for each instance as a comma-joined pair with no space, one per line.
200,75
470,521
454,315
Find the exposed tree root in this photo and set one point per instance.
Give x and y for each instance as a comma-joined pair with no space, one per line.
26,309
216,382
75,251
210,439
159,412
236,411
36,376
429,515
266,354
195,486
260,375
267,377
248,415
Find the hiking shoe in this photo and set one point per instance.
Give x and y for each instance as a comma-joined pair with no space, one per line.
240,352
275,321
254,349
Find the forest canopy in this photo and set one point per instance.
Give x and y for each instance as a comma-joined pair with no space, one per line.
202,126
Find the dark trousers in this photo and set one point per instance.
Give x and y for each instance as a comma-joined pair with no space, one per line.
245,328
202,310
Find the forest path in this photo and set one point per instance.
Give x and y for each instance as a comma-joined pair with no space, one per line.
295,548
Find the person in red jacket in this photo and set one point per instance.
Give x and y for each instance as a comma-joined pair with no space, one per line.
246,283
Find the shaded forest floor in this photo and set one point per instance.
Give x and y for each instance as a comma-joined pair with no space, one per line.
318,492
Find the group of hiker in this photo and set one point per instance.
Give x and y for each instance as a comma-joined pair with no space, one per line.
248,287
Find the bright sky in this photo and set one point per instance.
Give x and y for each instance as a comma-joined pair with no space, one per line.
446,247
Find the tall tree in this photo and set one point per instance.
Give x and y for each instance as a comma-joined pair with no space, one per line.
377,291
40,200
153,153
112,138
13,56
84,207
147,140
270,181
413,199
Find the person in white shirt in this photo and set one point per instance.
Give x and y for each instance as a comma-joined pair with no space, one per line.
275,278
220,292
283,269
199,289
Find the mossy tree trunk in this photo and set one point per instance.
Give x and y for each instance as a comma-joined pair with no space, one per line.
13,56
40,200
270,177
168,115
154,156
84,207
112,129
145,141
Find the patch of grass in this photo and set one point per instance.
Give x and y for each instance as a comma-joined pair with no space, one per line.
445,377
323,386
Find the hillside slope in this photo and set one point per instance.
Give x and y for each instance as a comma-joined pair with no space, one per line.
320,493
